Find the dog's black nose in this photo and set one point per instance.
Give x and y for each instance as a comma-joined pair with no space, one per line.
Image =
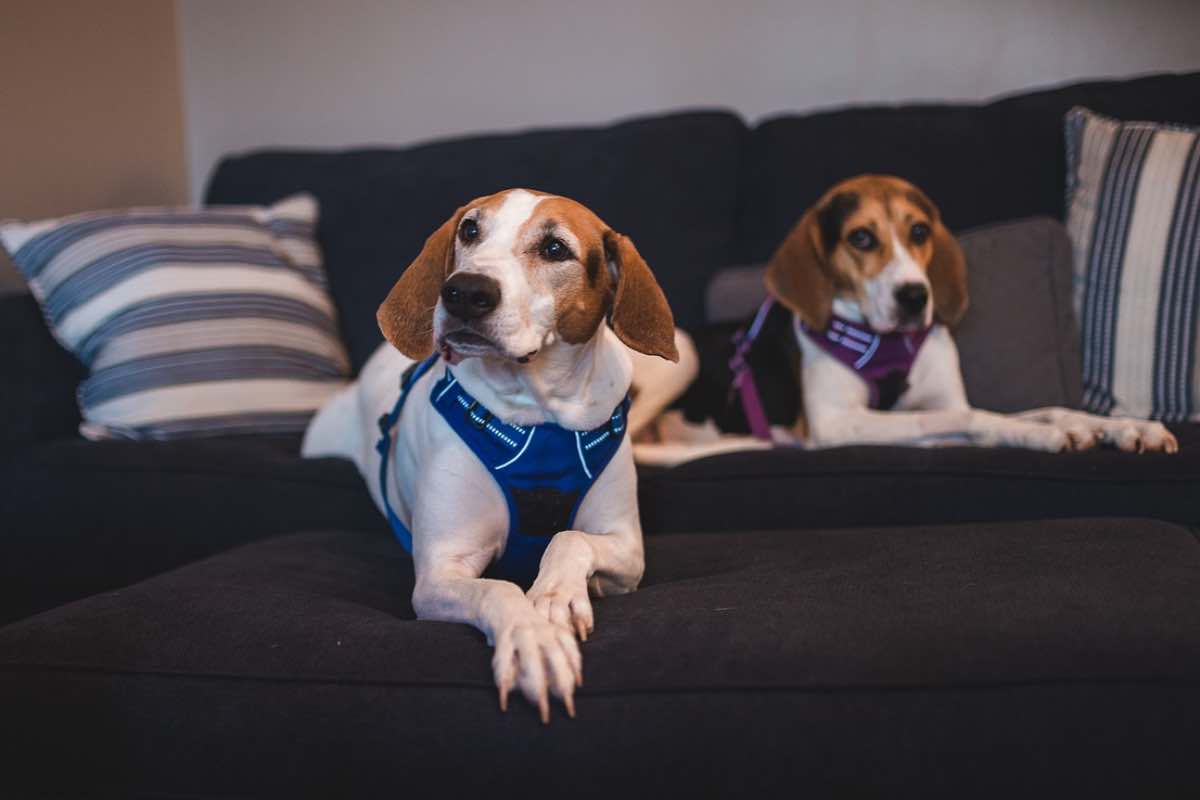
912,297
468,295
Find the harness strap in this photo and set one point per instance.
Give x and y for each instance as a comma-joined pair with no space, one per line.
743,376
882,360
543,479
384,446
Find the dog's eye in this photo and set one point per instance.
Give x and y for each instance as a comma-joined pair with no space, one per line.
861,239
919,233
554,249
469,230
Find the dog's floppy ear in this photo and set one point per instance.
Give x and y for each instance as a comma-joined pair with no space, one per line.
797,277
406,316
641,317
947,276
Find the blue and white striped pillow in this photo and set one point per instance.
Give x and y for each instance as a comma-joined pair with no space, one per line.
1133,213
191,322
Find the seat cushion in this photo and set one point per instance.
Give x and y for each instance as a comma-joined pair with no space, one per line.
982,658
80,517
849,486
669,182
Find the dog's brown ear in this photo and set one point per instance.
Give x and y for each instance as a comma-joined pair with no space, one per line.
797,277
947,277
641,317
406,316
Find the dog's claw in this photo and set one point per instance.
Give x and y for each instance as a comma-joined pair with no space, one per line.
542,660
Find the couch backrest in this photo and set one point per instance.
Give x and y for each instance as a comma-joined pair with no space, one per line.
980,163
669,182
696,191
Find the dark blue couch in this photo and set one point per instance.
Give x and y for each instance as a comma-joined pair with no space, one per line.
970,622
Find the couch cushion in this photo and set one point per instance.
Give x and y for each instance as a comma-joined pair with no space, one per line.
81,517
1018,345
1134,217
979,163
669,182
999,656
191,323
849,486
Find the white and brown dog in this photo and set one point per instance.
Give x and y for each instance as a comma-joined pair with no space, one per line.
522,309
868,267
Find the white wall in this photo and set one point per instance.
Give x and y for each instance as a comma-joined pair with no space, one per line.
335,73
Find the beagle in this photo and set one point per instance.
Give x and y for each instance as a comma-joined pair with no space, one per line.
871,282
491,427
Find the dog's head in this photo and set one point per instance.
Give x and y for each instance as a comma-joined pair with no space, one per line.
879,241
515,272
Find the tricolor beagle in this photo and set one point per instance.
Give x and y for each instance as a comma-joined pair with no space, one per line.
873,281
503,449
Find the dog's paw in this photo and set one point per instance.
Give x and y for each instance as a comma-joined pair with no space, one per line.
1081,436
564,605
541,659
1135,435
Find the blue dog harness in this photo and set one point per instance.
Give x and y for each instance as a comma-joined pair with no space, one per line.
544,471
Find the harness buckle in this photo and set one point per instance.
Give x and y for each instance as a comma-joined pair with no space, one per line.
479,422
384,424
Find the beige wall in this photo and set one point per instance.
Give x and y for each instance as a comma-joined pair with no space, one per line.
92,114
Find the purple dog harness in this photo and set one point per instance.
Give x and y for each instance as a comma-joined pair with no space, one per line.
882,360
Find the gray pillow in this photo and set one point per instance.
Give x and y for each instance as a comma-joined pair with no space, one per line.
1018,342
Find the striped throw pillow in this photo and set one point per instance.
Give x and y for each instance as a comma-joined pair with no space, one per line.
1133,213
191,322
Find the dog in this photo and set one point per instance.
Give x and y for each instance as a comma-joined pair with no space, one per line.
504,453
869,284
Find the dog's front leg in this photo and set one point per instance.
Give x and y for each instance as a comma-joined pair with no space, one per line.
531,653
832,428
577,564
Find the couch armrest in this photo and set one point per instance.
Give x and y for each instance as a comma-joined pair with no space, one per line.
38,377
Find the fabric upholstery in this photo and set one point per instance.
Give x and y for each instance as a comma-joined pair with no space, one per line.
1134,217
82,517
191,323
79,517
39,376
976,660
849,486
